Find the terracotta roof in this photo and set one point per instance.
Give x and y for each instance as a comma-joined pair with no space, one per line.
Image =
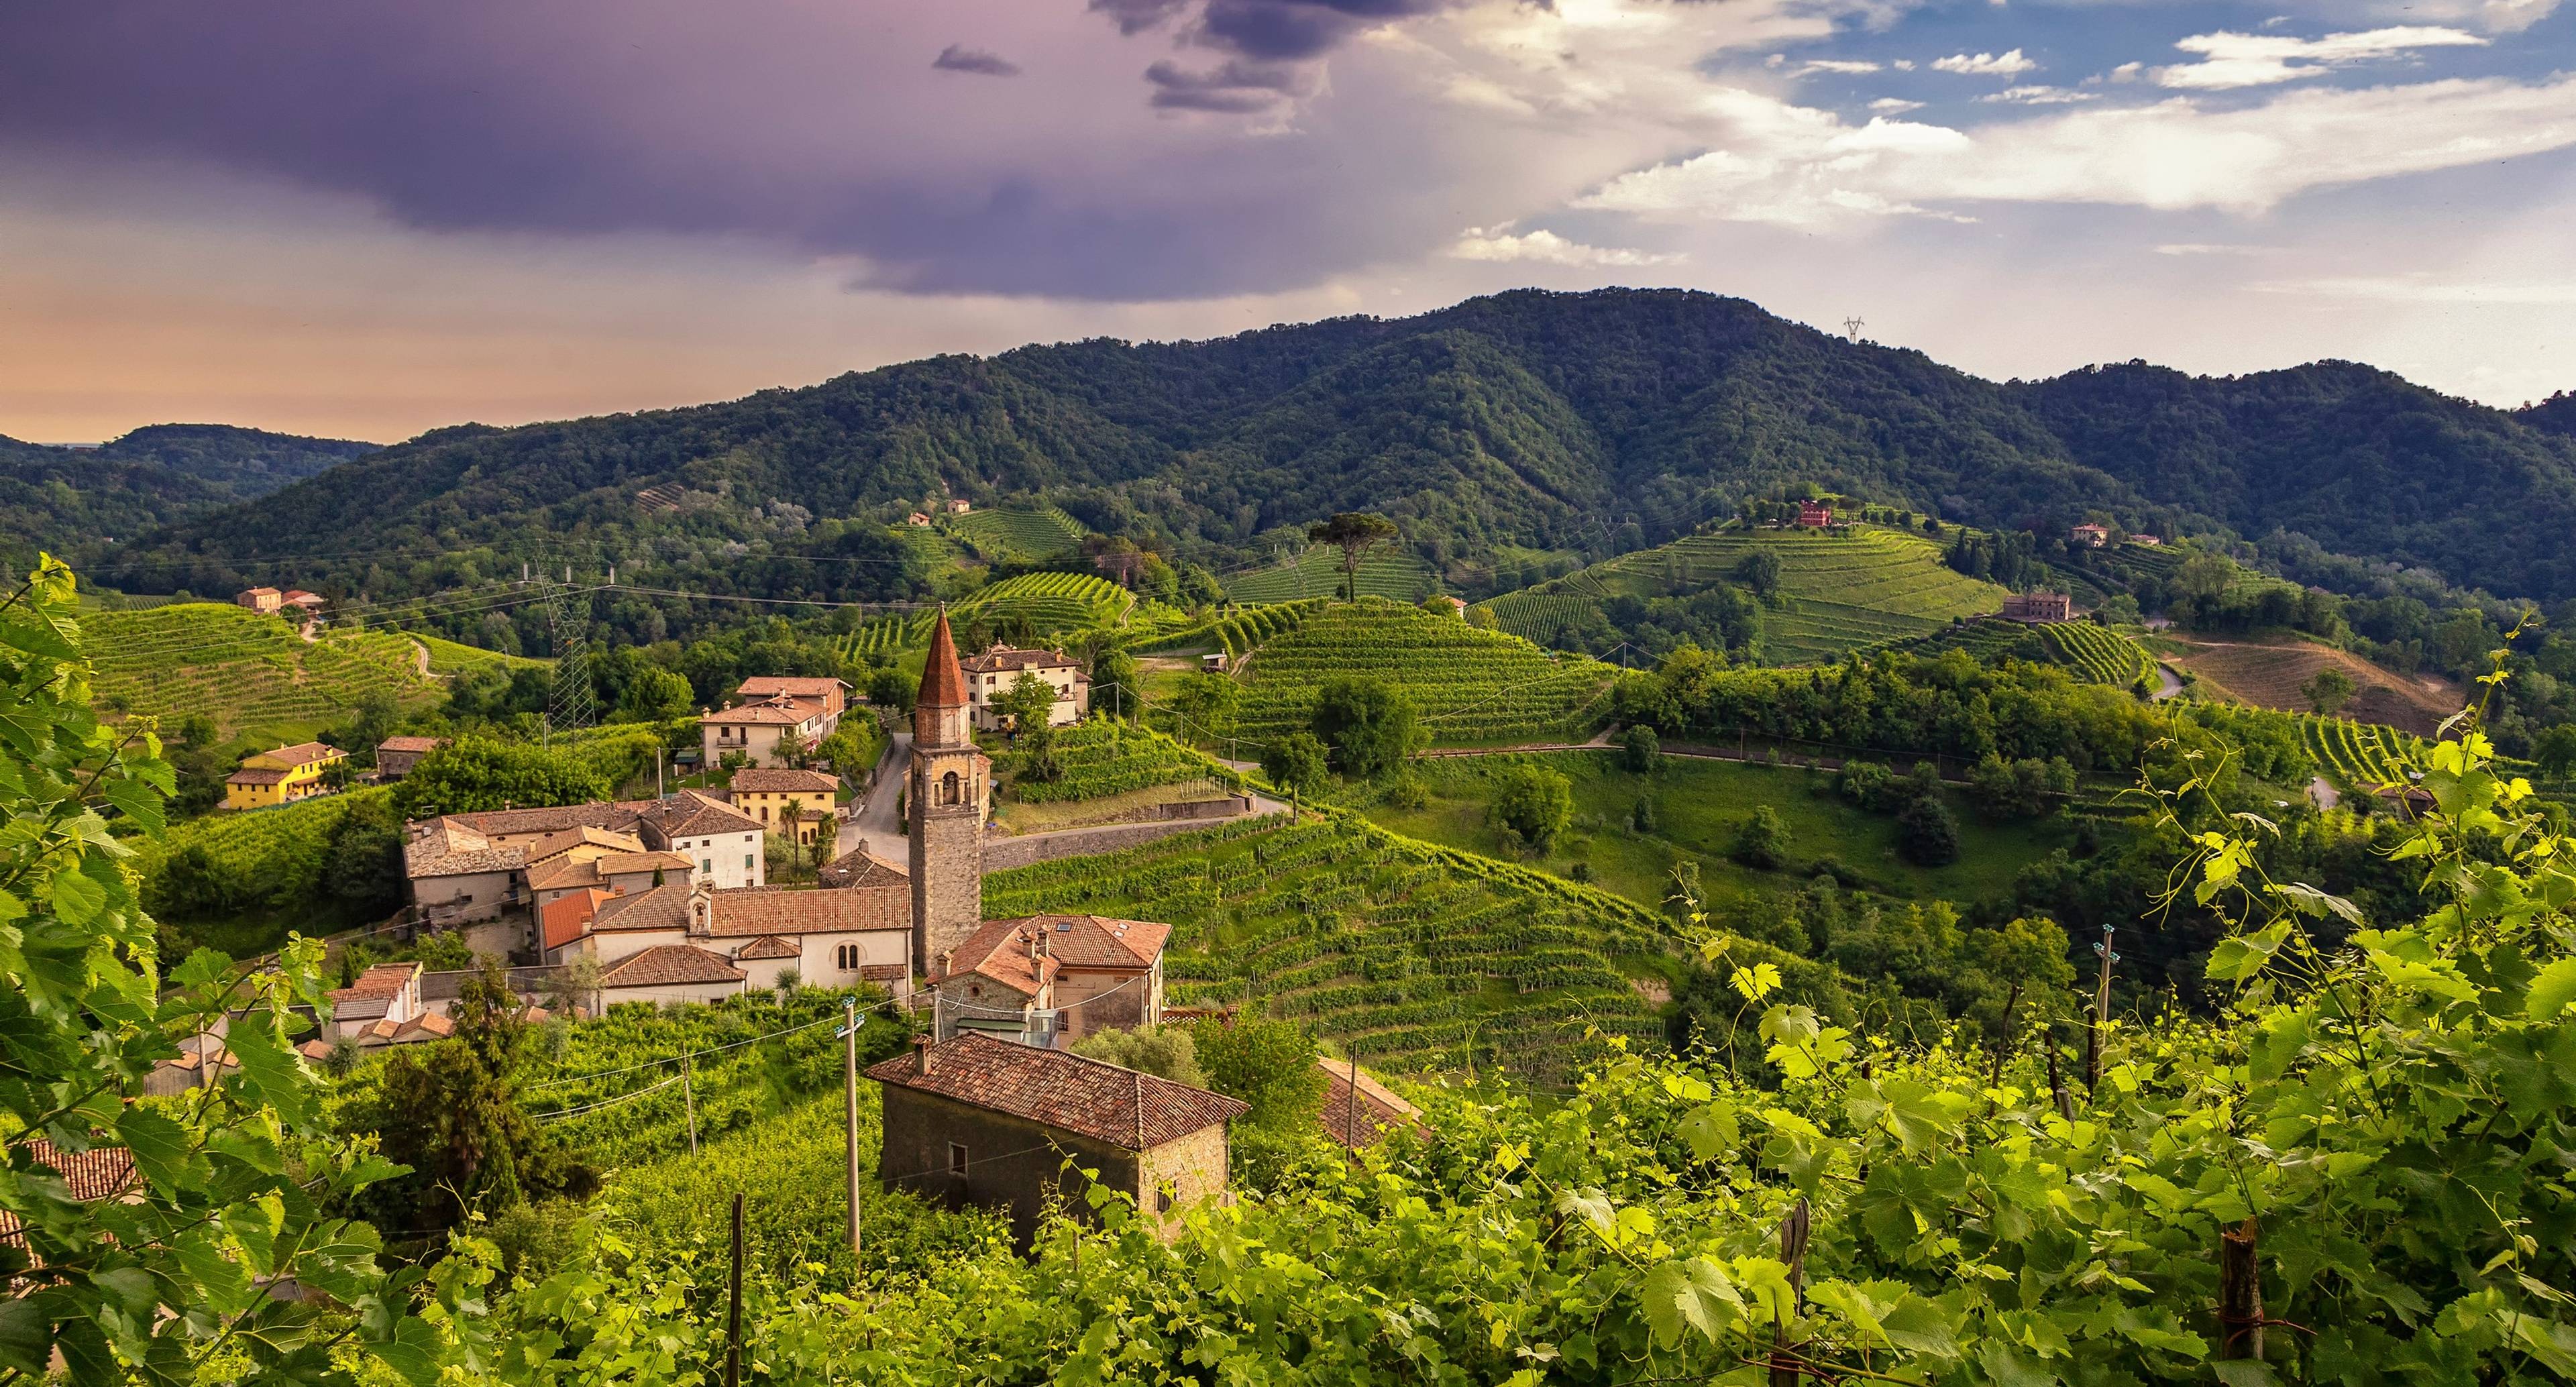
315,1050
380,983
781,711
429,1025
581,835
855,868
259,592
660,907
762,780
97,1173
448,847
520,823
998,952
249,776
303,754
757,910
618,864
1003,658
665,964
689,814
1093,941
809,686
420,744
943,685
768,946
1104,1102
567,918
559,872
1363,1119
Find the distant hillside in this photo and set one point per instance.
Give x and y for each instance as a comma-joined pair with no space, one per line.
2557,414
246,671
80,503
1592,423
1467,685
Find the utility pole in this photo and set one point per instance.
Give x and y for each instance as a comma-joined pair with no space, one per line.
850,1106
689,1100
733,1309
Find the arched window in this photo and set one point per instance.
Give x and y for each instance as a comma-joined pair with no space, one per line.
948,788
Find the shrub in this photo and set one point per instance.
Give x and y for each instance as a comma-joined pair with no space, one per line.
1167,1051
1762,840
1926,833
1865,783
1296,762
1535,803
1639,750
1368,723
1407,791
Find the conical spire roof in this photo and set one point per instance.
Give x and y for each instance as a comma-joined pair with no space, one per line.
943,684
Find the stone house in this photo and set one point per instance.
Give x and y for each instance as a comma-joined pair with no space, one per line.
382,1006
981,1121
959,505
2039,607
1052,979
395,756
804,802
832,938
264,601
669,974
618,873
992,674
2089,536
754,729
1358,1110
282,776
917,520
464,867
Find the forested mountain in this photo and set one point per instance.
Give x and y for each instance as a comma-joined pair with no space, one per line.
1594,422
85,501
2557,414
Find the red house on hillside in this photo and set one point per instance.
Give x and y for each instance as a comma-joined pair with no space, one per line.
1815,515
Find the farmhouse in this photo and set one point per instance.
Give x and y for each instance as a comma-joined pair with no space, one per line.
981,1121
755,728
959,505
1815,515
396,756
383,1007
1358,1110
992,674
1052,979
264,601
1448,605
282,776
2038,607
788,802
2149,541
917,520
309,603
832,938
2089,536
833,694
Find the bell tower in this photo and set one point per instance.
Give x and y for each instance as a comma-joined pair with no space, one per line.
946,792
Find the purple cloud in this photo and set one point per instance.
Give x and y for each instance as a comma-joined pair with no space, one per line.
1234,87
1277,29
957,57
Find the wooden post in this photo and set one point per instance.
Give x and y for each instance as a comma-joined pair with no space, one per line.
2003,1042
850,1107
689,1098
2057,1083
2101,1014
733,1310
1786,1365
2240,1293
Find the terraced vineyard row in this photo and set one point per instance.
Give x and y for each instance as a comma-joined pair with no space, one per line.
1982,640
1024,533
1410,956
1318,573
1236,632
1466,684
1103,756
2099,655
243,669
2360,754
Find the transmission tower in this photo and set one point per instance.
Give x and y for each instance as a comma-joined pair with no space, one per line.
573,703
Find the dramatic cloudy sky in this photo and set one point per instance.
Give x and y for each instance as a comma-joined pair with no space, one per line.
369,217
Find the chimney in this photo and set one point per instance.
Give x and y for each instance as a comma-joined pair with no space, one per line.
947,959
921,1054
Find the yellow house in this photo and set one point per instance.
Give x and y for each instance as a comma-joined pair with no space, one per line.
282,776
779,798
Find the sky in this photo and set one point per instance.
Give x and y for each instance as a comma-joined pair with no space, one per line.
363,219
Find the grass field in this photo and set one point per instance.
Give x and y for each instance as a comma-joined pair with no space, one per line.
1408,955
251,673
1837,592
1318,573
1698,807
1467,685
1016,533
2267,673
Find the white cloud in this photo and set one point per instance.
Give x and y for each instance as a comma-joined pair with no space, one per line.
1904,64
1790,165
1546,248
2039,96
2230,60
1894,105
2011,64
1838,65
2206,248
2127,72
2422,287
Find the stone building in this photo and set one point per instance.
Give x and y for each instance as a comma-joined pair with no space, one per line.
949,787
1052,979
2039,607
395,756
981,1121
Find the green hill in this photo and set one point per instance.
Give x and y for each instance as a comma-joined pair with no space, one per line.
1467,685
1836,593
1018,533
1317,572
74,503
251,673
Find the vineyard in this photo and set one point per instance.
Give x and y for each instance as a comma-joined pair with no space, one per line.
455,657
1837,593
1103,756
2359,754
243,669
1024,534
1052,601
2098,654
1318,573
1985,639
273,858
1410,956
1466,684
1240,632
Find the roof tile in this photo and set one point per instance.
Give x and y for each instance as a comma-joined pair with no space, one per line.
1104,1102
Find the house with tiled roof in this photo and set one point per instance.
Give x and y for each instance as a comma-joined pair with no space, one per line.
670,973
101,1172
282,776
834,694
388,993
475,866
787,802
1052,979
754,726
1358,1110
830,937
991,674
264,601
396,756
975,1120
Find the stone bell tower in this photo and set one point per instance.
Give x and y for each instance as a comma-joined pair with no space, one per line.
947,790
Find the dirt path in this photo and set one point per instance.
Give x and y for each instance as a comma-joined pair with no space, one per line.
420,660
2326,796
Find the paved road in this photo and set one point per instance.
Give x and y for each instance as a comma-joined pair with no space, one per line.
875,822
2167,685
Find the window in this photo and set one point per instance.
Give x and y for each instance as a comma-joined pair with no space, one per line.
746,862
707,866
847,956
956,1158
1163,1199
948,788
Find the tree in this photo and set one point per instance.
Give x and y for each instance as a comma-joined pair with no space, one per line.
1038,756
790,748
1297,763
363,858
1926,832
1640,751
478,773
1762,840
1534,802
654,694
1167,1051
1368,723
2556,751
1027,702
1207,702
370,722
1268,1064
1760,571
2328,690
1354,533
1116,686
175,1272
